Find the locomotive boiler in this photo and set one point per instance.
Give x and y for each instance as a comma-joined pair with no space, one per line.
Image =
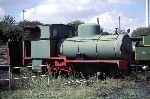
90,44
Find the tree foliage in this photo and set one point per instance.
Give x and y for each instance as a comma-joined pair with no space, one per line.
29,23
8,29
28,27
8,20
141,31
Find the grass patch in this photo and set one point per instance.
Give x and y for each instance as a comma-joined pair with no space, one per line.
73,88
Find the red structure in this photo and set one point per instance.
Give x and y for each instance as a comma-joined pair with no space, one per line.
62,64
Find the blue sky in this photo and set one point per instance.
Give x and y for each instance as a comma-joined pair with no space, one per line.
132,12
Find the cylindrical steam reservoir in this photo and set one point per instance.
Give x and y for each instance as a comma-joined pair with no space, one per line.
98,47
92,46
